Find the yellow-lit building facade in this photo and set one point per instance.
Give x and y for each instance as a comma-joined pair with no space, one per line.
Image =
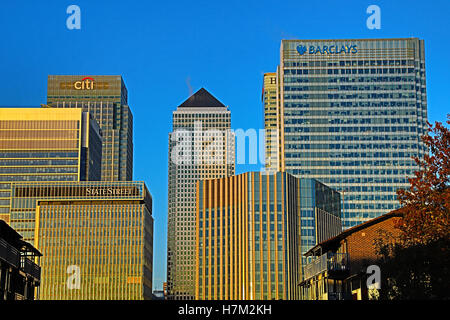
271,121
96,238
44,144
251,231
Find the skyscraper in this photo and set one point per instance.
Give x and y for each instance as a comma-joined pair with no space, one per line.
45,144
351,114
252,230
97,237
201,146
106,98
271,119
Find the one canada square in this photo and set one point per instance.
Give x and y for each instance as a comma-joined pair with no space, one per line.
349,113
201,146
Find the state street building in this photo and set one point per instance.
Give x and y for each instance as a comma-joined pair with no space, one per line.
45,144
96,238
349,113
252,230
106,98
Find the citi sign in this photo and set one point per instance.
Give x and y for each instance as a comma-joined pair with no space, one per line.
86,83
301,49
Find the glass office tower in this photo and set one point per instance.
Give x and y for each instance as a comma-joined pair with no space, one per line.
201,146
96,238
351,114
252,230
45,144
106,98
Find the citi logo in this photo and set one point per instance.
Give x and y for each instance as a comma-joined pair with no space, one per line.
85,84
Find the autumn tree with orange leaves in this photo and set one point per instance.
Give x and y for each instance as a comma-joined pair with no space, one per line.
426,204
417,264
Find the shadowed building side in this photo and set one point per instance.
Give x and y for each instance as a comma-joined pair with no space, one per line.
20,273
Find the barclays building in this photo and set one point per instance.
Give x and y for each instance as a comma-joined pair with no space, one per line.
350,113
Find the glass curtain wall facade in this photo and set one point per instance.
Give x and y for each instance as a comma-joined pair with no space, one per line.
351,115
250,234
201,146
97,238
45,144
106,98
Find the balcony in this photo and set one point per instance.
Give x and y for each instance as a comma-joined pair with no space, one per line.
335,264
31,268
9,254
13,257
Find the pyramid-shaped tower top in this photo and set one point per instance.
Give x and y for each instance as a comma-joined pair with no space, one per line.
202,98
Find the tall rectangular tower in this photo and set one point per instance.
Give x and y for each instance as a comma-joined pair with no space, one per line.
271,120
45,144
201,146
252,230
351,114
106,98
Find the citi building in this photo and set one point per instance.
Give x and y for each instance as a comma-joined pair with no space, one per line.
106,99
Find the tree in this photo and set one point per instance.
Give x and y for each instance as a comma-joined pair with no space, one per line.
418,271
426,204
416,265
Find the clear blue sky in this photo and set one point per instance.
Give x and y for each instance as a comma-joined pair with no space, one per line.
163,47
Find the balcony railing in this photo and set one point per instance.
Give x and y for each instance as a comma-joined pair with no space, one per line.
331,262
9,254
31,268
12,256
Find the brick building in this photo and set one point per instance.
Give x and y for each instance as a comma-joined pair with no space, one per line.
337,267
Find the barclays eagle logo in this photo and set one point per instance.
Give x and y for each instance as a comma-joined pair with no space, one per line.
301,49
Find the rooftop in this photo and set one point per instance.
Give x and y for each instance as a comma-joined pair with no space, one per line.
327,243
202,98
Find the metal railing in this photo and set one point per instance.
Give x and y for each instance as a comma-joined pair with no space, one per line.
31,268
326,262
9,254
12,256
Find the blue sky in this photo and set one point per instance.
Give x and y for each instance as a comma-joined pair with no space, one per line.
164,48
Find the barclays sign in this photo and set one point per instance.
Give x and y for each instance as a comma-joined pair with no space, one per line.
333,49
